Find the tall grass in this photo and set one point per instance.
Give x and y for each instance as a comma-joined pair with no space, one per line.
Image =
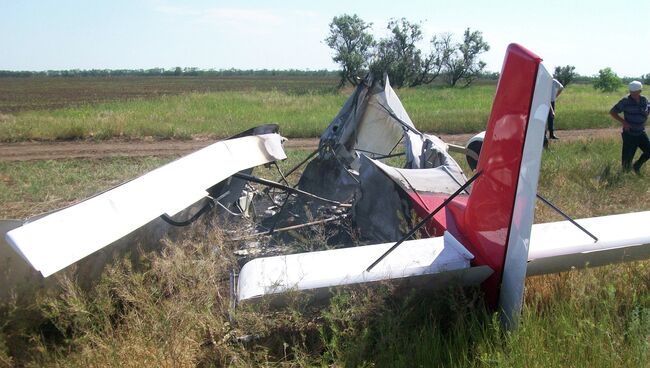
221,114
171,309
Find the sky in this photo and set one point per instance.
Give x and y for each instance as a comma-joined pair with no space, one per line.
255,34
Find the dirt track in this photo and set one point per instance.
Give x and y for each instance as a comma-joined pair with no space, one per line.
82,149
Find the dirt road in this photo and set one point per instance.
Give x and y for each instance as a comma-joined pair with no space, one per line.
132,148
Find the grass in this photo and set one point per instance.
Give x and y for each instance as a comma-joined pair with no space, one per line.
170,309
217,114
584,178
301,114
29,188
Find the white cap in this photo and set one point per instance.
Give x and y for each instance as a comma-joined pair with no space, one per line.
635,86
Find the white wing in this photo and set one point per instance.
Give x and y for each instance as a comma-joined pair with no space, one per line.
55,241
425,263
561,246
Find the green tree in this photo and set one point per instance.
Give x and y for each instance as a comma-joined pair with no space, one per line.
565,74
397,55
352,44
400,58
607,80
464,62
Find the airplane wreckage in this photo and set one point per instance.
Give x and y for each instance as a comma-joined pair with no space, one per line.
475,228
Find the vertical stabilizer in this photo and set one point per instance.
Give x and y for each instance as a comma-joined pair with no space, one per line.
497,219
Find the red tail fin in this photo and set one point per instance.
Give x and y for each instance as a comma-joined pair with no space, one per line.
499,210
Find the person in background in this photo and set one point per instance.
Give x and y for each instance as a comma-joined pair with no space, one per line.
556,89
635,113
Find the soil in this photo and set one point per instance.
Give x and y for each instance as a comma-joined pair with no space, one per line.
24,151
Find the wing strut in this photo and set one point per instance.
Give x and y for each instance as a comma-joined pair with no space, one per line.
425,220
274,184
207,206
299,165
548,203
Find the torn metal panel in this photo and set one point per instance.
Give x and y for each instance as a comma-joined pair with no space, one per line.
381,213
55,241
443,179
330,179
425,151
372,121
388,196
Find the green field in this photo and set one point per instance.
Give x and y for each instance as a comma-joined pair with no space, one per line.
301,109
172,310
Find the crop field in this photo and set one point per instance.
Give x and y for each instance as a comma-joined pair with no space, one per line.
172,309
48,93
181,108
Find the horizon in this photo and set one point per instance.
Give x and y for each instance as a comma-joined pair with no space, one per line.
246,72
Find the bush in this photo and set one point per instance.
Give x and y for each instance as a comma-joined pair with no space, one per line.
607,80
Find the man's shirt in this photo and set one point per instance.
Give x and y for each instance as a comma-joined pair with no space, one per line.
634,113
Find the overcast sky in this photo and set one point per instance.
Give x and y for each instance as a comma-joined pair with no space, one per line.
134,34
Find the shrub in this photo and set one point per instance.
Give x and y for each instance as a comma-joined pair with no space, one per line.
607,80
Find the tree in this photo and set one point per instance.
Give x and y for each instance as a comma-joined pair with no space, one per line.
442,50
397,55
565,74
352,44
607,80
463,62
400,58
645,79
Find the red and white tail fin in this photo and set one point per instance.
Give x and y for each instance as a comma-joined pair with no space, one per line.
496,221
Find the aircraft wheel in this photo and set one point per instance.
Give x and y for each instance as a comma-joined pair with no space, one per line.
476,147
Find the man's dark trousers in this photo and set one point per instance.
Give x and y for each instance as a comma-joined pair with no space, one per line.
630,144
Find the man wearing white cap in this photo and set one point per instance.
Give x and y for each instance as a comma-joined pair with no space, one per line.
635,113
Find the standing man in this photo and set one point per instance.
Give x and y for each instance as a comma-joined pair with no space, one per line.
555,91
635,113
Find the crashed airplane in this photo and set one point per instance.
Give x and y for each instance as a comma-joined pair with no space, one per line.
474,228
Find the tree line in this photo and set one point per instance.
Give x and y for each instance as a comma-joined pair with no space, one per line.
398,56
170,72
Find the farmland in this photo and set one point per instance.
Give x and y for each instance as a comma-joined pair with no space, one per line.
48,93
54,109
